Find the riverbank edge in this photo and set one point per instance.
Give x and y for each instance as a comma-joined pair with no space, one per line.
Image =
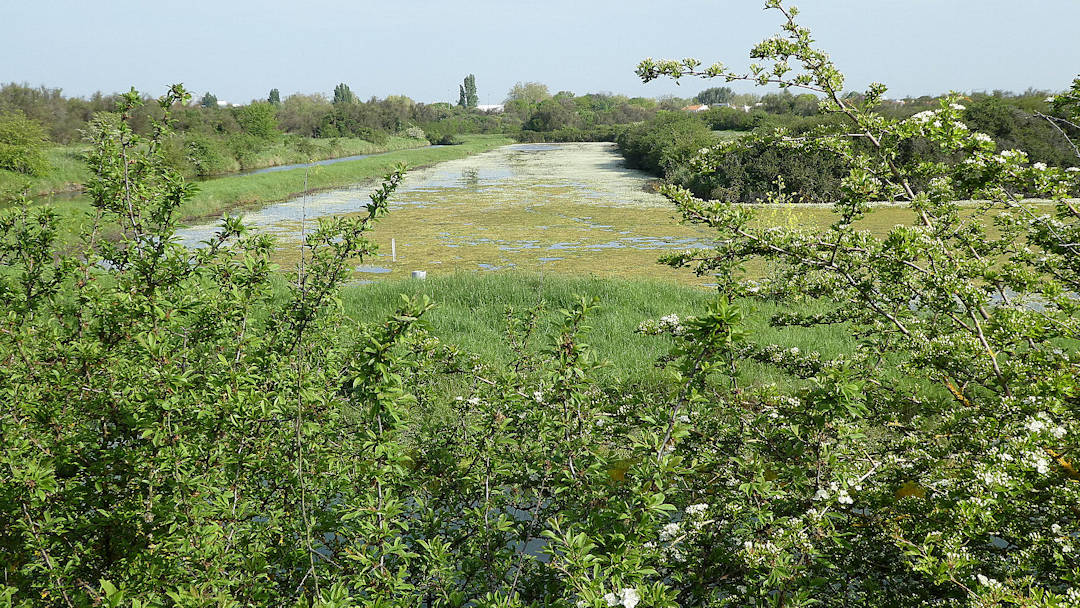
68,172
245,192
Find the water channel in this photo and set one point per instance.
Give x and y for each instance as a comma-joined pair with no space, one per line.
569,208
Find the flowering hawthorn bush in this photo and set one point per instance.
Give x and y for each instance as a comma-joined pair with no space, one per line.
934,464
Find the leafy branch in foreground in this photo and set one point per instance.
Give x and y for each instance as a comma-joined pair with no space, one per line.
954,479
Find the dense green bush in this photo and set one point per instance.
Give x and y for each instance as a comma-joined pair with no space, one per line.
1013,128
664,142
209,155
749,172
594,133
22,144
258,119
935,465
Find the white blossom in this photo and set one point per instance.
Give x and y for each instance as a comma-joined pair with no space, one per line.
669,531
821,494
957,106
697,509
629,597
987,581
1035,425
843,498
924,116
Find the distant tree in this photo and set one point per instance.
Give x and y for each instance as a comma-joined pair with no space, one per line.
529,92
471,98
343,94
301,114
552,114
715,96
467,97
22,144
275,97
257,119
209,100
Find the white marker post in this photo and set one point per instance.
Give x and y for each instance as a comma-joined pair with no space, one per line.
393,250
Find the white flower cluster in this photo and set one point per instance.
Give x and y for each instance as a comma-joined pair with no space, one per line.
842,495
669,531
1038,462
1043,422
983,137
957,106
987,581
923,117
671,323
993,477
628,598
698,509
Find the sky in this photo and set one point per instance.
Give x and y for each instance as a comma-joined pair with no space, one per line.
240,49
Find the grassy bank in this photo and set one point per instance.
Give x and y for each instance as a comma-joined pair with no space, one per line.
471,314
67,173
218,195
68,170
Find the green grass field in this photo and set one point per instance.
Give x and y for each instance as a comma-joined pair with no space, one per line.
471,314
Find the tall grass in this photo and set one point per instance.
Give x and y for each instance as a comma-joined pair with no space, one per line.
66,174
471,314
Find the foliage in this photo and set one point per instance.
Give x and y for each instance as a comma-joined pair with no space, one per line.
343,95
274,98
190,428
209,100
468,98
258,120
747,172
530,93
935,464
715,96
664,142
22,145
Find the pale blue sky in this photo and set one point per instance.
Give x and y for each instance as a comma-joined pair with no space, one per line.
239,49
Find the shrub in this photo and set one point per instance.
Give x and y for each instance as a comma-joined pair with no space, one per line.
209,155
22,144
662,143
258,120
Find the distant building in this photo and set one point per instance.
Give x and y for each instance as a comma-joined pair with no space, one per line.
496,108
696,108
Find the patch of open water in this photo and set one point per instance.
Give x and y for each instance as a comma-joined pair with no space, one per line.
501,209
